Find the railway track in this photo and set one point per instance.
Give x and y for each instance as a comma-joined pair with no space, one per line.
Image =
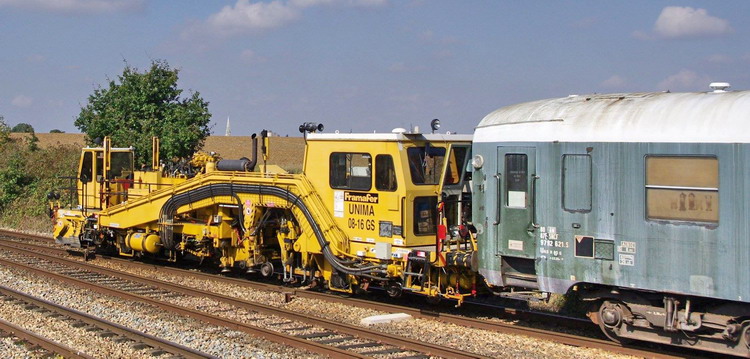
147,344
555,336
316,334
48,345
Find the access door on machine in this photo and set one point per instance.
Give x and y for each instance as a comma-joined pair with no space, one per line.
516,192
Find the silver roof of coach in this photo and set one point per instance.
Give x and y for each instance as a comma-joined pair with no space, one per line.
719,116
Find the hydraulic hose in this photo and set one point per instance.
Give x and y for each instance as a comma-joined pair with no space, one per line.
169,209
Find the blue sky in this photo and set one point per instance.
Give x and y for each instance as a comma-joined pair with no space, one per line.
364,65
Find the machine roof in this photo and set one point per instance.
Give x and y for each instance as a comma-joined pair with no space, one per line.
391,137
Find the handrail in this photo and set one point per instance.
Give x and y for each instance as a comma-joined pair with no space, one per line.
533,226
499,198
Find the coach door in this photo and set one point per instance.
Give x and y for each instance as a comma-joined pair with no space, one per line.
516,188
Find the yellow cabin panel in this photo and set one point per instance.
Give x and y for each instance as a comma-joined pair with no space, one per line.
367,182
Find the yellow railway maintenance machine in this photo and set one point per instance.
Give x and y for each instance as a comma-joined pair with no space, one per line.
389,210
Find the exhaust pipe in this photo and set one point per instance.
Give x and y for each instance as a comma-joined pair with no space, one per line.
254,159
243,164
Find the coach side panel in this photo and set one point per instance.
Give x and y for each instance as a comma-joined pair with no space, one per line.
655,216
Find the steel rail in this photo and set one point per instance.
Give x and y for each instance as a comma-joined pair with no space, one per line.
550,335
118,329
500,327
364,333
273,336
36,339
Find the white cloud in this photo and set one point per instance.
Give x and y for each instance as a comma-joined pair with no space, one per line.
245,16
248,17
22,101
250,57
720,59
685,22
615,81
685,80
75,6
352,3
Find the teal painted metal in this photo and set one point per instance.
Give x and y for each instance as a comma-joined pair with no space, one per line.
515,181
629,250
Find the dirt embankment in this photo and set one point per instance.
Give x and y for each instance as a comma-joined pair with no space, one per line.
285,152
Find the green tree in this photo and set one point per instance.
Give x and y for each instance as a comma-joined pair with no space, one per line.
138,105
11,181
33,142
23,127
4,131
56,131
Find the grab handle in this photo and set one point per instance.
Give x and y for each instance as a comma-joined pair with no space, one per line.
499,198
533,226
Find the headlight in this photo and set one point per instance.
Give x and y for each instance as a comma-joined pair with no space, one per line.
477,162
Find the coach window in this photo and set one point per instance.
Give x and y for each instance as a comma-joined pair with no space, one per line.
682,188
516,183
576,183
385,173
351,171
425,164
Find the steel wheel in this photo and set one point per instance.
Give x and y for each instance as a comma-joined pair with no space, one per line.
610,316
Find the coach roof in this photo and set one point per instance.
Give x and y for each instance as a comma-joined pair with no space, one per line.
719,117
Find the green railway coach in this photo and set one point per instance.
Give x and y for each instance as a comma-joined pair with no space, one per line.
638,201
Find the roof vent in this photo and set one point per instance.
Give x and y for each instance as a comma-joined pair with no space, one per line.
719,87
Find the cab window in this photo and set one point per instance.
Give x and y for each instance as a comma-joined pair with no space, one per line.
425,164
121,164
87,169
99,166
385,173
351,171
456,165
425,215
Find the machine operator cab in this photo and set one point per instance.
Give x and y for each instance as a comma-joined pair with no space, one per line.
104,183
384,189
106,177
